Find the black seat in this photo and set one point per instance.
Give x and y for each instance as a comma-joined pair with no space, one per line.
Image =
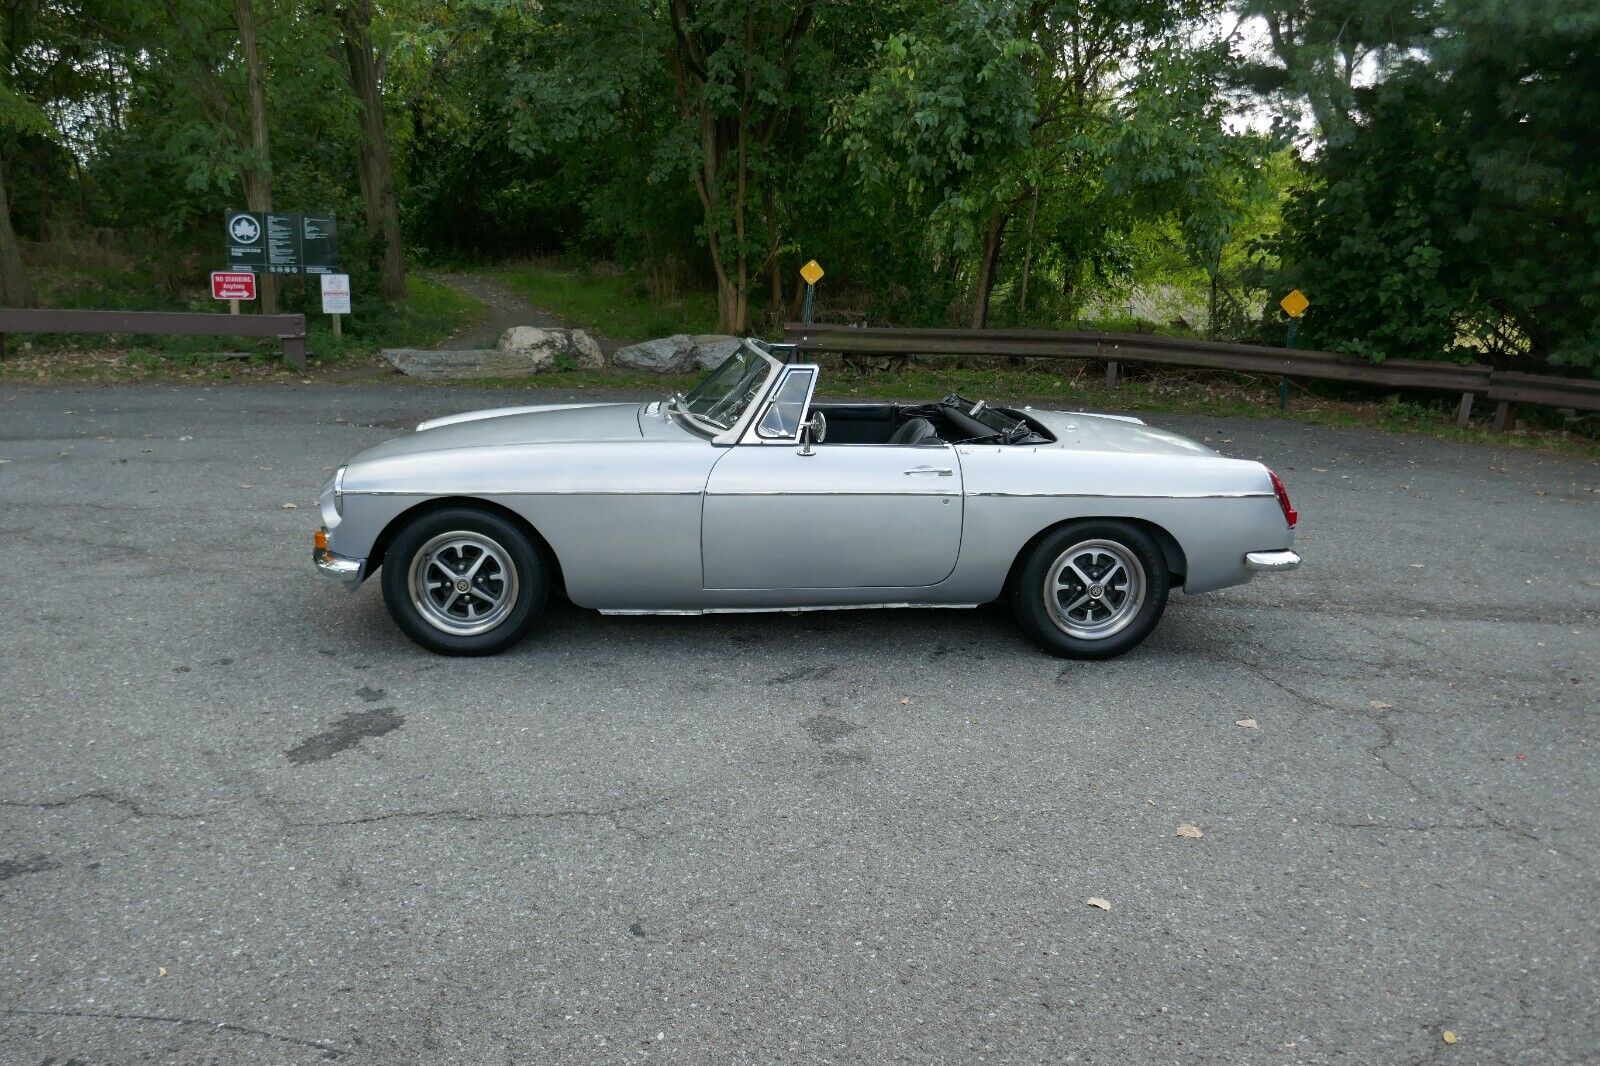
914,431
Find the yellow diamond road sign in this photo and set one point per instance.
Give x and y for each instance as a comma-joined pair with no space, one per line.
812,272
1295,304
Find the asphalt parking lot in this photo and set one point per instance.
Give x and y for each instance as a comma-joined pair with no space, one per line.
243,820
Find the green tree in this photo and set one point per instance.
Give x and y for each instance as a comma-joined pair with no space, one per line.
1319,50
1095,113
1460,216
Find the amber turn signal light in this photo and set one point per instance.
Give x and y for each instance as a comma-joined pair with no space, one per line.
320,541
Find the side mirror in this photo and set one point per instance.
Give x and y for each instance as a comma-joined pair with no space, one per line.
813,430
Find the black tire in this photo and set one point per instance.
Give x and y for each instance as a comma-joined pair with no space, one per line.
1104,622
511,565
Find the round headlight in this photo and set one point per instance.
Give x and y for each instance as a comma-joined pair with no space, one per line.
338,492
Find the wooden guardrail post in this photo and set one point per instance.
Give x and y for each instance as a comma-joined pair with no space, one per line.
1464,410
1111,373
294,350
1504,412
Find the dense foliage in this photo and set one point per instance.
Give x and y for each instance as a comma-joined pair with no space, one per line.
1423,169
1461,217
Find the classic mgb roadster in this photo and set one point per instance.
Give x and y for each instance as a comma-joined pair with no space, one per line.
746,494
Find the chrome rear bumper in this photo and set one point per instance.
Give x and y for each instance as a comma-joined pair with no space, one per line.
1282,559
345,571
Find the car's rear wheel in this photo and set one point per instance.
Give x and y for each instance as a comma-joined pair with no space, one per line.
464,582
1091,589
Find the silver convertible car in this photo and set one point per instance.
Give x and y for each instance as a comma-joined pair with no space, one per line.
749,495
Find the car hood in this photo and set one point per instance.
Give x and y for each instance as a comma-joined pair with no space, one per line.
1080,431
551,424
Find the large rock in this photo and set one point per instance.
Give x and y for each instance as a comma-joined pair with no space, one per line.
710,349
546,348
680,353
664,355
467,363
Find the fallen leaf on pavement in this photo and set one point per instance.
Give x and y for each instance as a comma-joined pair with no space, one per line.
1379,705
1247,723
290,506
905,701
1449,1036
1193,832
161,971
1096,901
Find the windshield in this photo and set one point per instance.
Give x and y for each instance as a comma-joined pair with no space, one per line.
722,395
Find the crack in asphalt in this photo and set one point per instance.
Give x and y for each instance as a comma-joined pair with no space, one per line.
115,799
614,815
1418,611
1387,744
327,1050
1431,827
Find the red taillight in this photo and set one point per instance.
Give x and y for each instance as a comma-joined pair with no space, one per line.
1290,515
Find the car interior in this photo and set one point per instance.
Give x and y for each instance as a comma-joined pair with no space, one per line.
952,420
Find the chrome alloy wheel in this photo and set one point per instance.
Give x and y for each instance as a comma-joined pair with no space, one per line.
1094,589
463,583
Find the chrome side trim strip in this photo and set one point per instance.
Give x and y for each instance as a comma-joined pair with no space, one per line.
830,495
1128,495
694,611
516,492
791,492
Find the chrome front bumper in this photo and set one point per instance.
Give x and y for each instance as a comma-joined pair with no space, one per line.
1282,559
345,571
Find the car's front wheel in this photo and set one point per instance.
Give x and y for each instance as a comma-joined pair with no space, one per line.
1091,589
464,582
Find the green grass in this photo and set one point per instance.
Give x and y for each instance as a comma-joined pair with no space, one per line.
617,305
432,311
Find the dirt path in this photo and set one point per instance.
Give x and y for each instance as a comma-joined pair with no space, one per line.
506,308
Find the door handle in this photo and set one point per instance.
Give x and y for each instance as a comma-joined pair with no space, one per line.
926,471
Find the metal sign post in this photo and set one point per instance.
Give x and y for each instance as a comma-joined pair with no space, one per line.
812,273
1294,305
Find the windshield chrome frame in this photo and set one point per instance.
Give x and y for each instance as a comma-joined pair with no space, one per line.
752,434
758,400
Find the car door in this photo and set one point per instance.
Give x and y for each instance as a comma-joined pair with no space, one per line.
777,515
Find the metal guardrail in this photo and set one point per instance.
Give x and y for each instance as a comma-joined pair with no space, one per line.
1504,387
290,329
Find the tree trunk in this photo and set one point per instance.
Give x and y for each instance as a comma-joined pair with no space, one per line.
733,305
1211,307
989,267
731,137
258,171
1027,258
775,267
14,288
372,157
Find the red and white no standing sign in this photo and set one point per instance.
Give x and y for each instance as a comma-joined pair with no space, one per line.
233,285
